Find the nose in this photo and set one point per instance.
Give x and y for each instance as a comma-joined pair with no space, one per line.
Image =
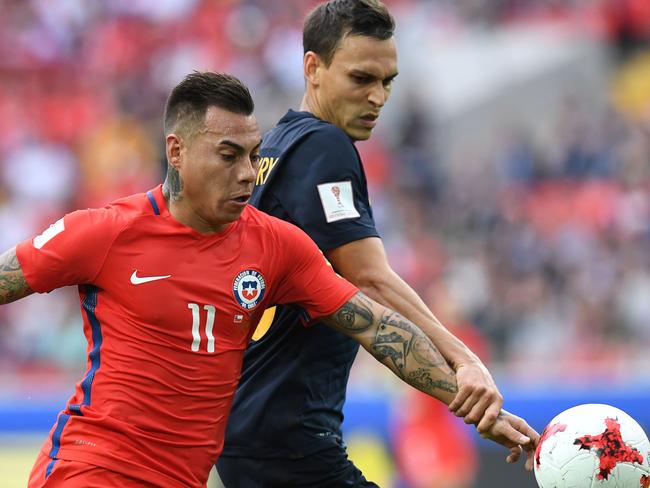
378,94
248,171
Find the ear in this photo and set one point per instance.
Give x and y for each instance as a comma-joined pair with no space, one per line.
173,150
312,66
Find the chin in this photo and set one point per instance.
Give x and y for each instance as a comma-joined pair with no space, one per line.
357,133
361,134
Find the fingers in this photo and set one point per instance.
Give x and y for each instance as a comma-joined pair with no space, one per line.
478,400
512,434
530,458
489,417
474,403
474,407
515,453
462,395
521,425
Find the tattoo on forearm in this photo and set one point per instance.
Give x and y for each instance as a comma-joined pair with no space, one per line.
398,343
173,185
355,316
425,355
421,379
394,328
12,282
393,346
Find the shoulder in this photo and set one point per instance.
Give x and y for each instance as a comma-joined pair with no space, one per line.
329,136
116,215
298,127
268,227
322,155
260,222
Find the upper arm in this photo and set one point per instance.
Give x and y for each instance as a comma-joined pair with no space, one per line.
304,276
363,262
13,285
323,190
70,252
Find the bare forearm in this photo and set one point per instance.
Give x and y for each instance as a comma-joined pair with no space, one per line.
397,343
12,281
397,295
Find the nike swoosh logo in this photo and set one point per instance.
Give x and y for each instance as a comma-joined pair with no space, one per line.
138,280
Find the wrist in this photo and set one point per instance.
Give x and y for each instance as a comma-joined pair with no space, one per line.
466,363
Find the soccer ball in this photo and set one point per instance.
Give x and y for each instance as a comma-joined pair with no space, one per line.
593,446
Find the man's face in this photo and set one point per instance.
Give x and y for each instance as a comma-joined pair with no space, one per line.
218,167
355,86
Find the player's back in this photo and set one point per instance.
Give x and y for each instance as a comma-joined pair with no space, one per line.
292,390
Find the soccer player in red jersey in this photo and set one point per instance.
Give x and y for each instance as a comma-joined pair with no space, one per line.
172,283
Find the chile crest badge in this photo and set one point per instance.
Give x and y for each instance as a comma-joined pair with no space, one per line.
249,287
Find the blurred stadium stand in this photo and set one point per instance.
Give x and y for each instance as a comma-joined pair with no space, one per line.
510,178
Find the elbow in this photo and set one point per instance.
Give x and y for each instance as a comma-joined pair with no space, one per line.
371,284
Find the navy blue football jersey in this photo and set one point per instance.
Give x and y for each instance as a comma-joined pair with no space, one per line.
291,394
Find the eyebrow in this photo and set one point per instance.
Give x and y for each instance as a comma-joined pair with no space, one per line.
237,147
360,72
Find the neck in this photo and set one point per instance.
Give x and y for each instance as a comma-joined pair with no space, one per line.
309,104
182,211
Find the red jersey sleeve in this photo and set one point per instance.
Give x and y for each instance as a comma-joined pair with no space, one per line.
70,252
307,279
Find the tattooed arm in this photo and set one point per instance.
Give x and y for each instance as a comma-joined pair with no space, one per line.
12,282
397,343
409,353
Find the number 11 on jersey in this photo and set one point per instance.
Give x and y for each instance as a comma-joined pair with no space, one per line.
196,324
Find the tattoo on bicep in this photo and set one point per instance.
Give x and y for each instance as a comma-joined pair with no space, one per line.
12,281
356,315
9,261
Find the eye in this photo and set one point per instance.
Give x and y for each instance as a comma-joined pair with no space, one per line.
256,158
228,157
361,79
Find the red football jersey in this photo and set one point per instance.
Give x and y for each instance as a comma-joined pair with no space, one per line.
168,313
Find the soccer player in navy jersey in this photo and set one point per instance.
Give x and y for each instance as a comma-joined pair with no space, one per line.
286,426
172,284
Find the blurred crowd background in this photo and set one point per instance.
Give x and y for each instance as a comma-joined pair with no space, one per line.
510,173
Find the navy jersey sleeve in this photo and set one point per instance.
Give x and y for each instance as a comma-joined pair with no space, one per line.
323,189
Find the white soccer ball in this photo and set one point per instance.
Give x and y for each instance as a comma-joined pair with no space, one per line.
593,446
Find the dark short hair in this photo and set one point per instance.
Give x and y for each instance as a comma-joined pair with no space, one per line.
330,22
190,99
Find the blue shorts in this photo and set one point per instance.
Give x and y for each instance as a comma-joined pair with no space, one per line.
329,468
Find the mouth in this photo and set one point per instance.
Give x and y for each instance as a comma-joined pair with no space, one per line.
369,120
241,199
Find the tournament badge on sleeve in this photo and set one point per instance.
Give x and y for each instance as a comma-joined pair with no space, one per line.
248,288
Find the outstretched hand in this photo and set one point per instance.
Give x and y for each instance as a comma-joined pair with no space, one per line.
514,433
478,400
